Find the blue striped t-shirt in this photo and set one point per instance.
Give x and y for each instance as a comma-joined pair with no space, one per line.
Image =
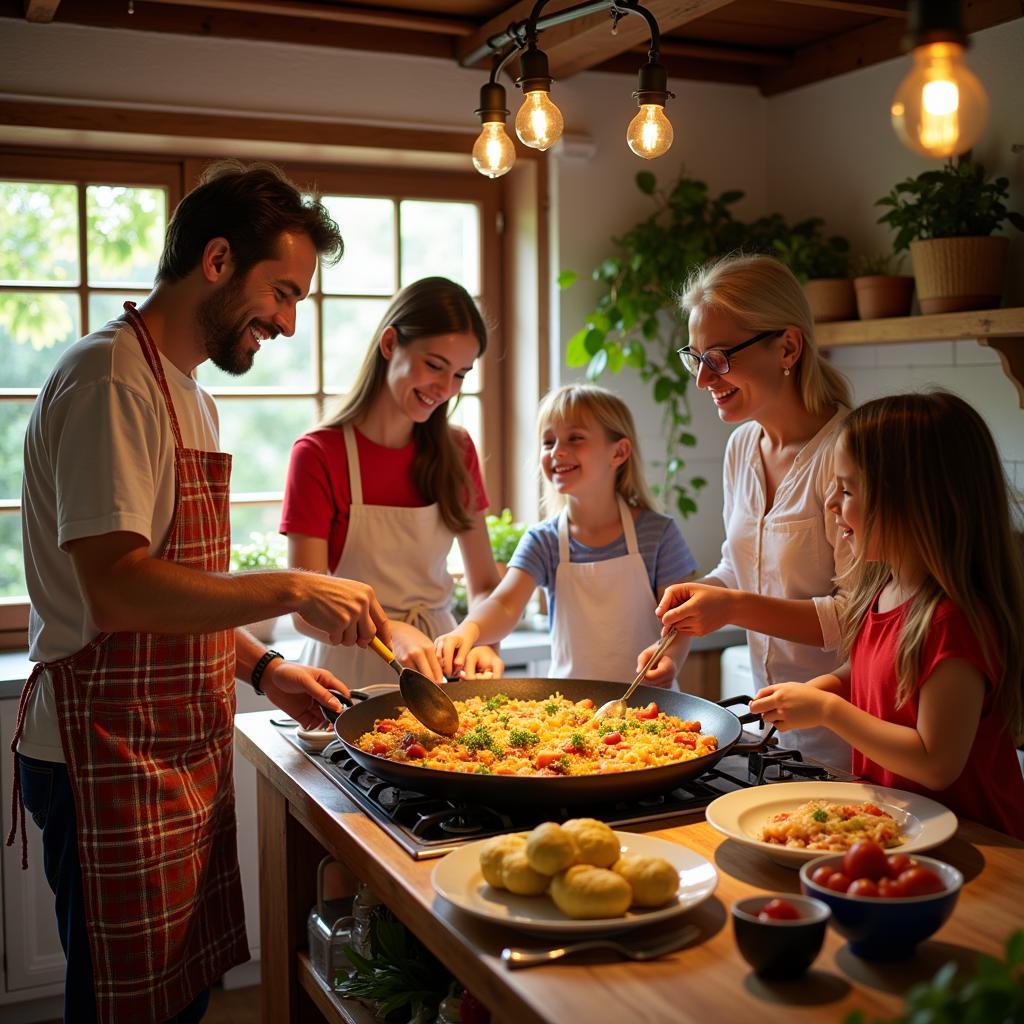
665,553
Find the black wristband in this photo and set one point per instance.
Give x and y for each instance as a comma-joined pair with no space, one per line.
261,667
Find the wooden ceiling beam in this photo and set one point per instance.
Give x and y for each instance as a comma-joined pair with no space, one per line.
40,11
726,54
871,44
878,9
339,13
588,41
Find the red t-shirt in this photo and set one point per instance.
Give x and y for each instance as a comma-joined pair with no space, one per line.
317,494
991,788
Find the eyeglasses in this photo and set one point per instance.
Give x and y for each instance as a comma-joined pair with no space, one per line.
717,359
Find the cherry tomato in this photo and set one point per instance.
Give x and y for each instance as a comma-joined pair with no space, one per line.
686,741
838,882
820,876
889,888
612,737
651,711
862,887
919,881
778,910
865,859
415,750
378,748
898,863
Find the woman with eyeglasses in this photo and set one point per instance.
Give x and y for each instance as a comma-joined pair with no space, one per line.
382,488
752,351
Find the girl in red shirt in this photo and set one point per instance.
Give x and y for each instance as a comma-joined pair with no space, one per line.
383,487
930,697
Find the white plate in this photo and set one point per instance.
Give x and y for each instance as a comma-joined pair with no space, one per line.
742,814
316,739
458,879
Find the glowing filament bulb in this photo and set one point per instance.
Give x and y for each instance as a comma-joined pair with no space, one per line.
539,122
940,108
493,152
650,133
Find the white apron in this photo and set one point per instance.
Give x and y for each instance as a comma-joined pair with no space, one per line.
402,553
604,611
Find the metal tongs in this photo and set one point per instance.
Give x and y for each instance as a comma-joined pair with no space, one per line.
617,708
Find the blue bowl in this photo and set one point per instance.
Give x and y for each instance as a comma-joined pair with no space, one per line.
885,928
779,949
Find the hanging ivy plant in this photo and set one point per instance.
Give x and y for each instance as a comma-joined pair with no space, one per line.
637,322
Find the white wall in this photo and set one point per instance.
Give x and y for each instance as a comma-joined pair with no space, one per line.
826,149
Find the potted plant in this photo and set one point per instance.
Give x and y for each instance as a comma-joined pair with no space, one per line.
822,265
504,534
263,551
946,218
881,290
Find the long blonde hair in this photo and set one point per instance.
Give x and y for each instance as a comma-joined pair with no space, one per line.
572,404
424,309
931,481
763,295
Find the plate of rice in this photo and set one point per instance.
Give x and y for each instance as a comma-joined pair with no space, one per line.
794,822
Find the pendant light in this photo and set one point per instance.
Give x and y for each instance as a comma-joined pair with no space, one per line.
493,152
940,107
539,123
650,132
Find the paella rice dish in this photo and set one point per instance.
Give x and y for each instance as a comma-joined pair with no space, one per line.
821,825
503,735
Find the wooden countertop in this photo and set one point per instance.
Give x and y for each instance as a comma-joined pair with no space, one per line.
707,980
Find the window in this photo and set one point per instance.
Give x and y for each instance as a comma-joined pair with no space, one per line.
391,239
78,236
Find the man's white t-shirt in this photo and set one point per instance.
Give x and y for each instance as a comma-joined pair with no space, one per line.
99,458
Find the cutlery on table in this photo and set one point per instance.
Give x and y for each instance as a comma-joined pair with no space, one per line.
515,957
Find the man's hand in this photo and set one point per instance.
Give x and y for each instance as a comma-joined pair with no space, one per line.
346,611
453,648
695,608
299,690
415,650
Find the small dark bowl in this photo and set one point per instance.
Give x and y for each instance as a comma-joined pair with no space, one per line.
779,949
886,928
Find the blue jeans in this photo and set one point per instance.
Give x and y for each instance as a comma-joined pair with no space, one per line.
47,794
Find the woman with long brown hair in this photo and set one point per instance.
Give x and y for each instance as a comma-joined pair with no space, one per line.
382,487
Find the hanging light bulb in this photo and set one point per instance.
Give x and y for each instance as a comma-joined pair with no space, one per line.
650,132
493,152
539,122
940,108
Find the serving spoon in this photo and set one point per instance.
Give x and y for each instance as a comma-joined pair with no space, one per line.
617,708
425,699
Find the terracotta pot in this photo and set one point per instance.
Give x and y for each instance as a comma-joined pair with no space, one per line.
831,298
959,273
882,295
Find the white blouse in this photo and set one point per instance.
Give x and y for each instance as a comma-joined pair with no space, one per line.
794,551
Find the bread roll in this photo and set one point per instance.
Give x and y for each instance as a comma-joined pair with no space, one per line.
492,857
653,880
597,843
551,849
585,891
519,877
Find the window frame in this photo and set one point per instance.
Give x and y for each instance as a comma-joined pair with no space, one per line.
178,174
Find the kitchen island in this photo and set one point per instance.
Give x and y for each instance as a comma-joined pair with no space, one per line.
302,814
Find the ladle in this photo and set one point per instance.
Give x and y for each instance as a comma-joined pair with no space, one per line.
617,708
425,699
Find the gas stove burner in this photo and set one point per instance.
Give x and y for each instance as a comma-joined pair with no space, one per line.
779,765
468,821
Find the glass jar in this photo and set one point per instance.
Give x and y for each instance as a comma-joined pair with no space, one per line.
329,933
366,909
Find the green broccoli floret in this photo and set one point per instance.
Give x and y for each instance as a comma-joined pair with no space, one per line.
495,702
521,738
551,708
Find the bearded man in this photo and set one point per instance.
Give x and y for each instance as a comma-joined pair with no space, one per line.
124,740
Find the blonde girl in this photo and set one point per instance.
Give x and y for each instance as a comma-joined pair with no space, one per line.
382,488
604,555
930,696
752,352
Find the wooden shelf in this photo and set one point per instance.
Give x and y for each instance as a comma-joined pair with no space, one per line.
999,329
335,1009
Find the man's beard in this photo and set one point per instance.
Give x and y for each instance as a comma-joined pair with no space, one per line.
224,334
